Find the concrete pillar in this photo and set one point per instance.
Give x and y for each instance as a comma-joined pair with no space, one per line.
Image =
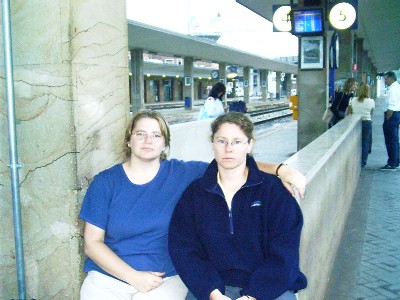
312,87
257,86
176,88
161,97
264,84
374,83
196,85
346,44
359,49
364,65
278,85
312,91
246,84
188,80
149,96
137,85
222,78
288,81
72,106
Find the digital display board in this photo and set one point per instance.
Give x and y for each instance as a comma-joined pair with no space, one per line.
308,22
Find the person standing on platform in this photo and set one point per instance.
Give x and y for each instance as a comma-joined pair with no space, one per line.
213,106
235,232
363,105
127,210
391,121
341,101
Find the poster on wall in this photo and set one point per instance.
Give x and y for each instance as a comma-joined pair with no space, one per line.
311,52
188,81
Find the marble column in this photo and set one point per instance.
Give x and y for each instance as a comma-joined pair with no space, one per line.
222,78
246,78
264,84
346,46
359,49
137,80
312,91
188,90
71,90
288,82
278,85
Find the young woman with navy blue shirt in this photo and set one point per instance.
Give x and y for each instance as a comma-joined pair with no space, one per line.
127,210
235,232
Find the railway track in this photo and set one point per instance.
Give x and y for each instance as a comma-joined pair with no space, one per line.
265,115
258,116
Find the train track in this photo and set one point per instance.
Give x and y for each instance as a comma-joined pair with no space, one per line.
265,115
259,116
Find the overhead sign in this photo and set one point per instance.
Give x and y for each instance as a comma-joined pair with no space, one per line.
281,18
342,15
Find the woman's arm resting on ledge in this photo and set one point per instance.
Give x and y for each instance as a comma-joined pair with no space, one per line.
291,177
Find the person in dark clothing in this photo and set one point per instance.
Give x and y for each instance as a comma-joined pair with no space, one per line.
235,232
341,101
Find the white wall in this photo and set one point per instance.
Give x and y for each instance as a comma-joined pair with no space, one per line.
191,141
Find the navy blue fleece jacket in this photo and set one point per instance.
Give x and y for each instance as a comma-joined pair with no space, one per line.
255,245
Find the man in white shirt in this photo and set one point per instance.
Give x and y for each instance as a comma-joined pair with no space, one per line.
392,121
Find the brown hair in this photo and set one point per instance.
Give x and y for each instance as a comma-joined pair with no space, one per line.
363,92
238,118
348,84
141,114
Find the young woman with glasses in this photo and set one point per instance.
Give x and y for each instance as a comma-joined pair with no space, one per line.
127,210
235,232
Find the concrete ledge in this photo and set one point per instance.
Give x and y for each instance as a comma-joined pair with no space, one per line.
332,165
191,141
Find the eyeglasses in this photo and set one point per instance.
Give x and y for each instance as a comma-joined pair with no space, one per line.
140,135
235,143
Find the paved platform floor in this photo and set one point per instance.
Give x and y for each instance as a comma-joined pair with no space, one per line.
368,262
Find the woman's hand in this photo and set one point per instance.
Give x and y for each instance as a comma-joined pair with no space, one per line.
145,281
105,258
292,178
217,295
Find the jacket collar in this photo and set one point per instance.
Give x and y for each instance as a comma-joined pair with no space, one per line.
210,182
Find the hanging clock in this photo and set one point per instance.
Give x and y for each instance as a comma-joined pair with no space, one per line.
214,74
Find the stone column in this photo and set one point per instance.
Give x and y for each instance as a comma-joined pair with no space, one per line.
188,90
278,85
137,84
176,88
288,81
161,97
71,90
246,90
264,84
312,91
346,46
149,96
222,78
358,58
